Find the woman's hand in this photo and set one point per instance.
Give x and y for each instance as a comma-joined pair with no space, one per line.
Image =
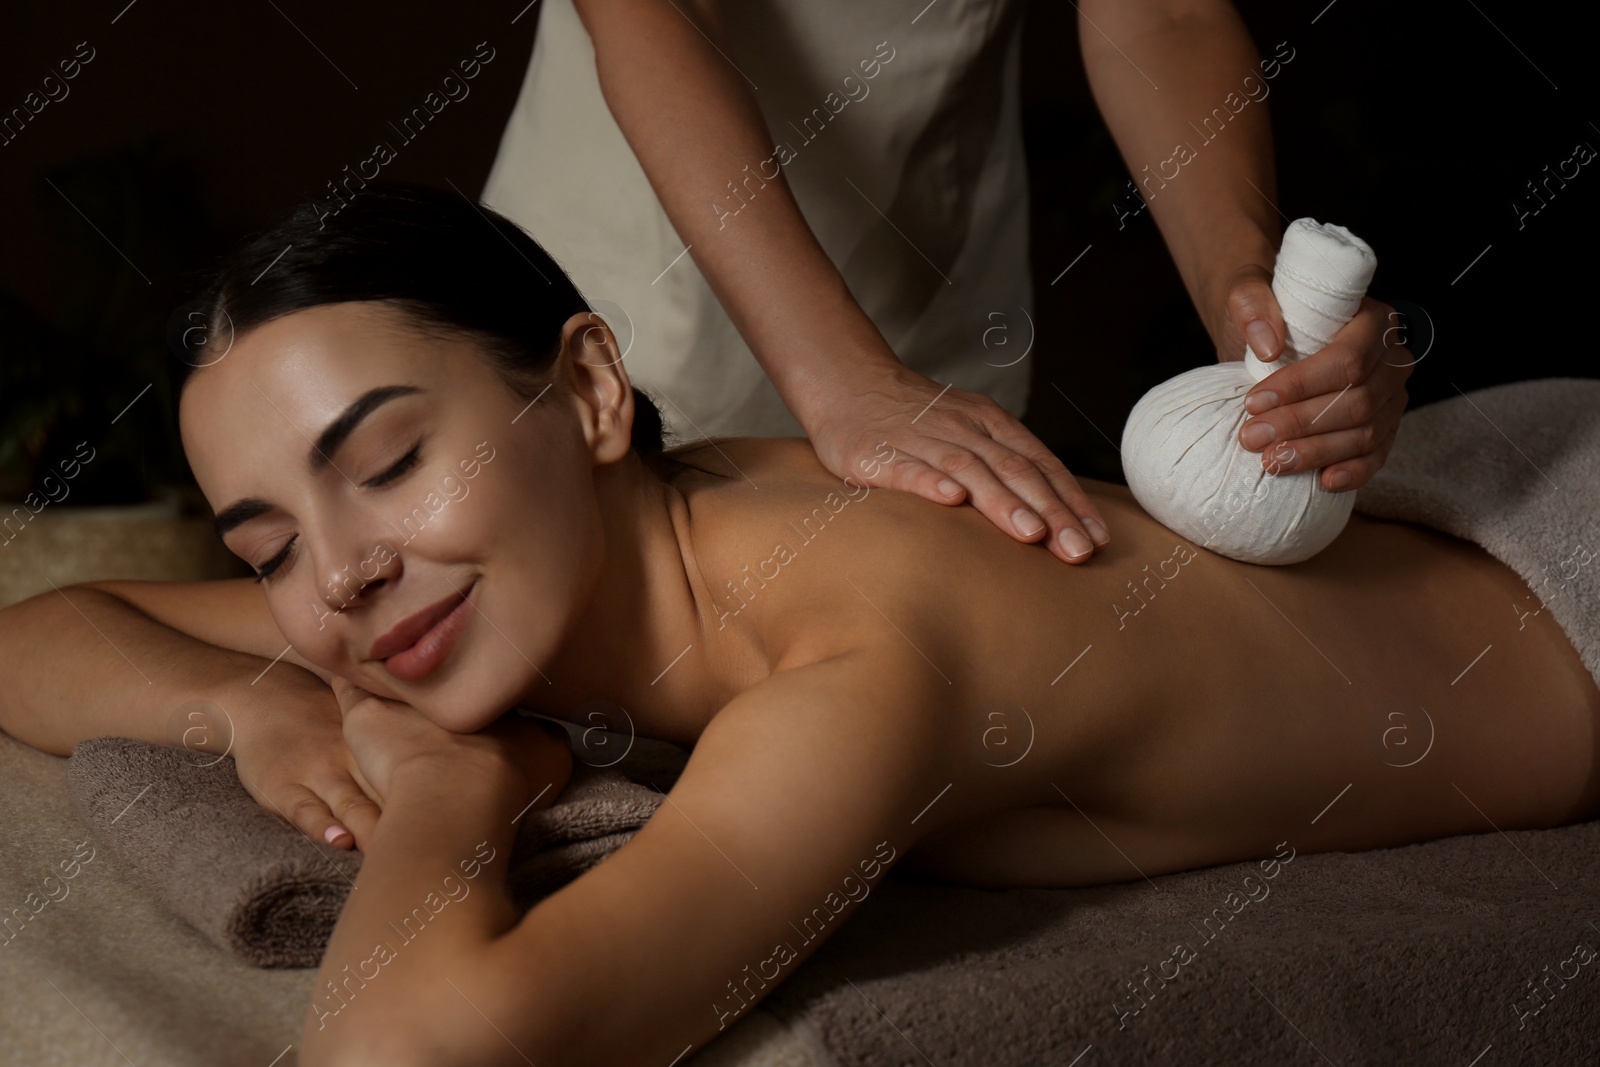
384,734
946,444
1339,408
289,752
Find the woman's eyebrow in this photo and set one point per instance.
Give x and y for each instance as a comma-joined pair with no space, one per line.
320,457
328,442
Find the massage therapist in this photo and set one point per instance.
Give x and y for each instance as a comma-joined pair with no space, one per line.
800,216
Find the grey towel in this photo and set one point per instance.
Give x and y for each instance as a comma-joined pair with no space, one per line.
184,827
1425,954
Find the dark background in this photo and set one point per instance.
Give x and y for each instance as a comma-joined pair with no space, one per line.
1415,125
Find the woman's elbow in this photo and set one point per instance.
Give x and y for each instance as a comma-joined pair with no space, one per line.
373,1045
346,1038
446,1029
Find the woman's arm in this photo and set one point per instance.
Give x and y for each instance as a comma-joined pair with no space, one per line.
430,899
795,801
116,659
200,665
667,75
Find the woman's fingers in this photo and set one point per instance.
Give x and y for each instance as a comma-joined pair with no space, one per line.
1349,409
354,767
353,812
307,812
337,813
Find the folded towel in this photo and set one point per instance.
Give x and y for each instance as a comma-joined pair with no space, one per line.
1516,469
183,826
1180,446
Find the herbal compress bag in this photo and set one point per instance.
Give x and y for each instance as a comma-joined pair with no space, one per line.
1180,447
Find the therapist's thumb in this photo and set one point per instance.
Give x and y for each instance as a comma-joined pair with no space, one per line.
1254,312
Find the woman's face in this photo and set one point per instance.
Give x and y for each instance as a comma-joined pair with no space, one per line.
365,513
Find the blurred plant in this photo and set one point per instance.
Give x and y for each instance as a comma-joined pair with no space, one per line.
67,373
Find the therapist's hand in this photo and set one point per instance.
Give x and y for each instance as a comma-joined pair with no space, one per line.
949,445
1339,408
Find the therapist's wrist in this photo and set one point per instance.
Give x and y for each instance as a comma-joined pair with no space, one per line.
818,375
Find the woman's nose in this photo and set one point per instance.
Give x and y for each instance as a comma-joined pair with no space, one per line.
349,576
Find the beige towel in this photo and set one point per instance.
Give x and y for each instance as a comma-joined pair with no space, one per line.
1515,469
184,827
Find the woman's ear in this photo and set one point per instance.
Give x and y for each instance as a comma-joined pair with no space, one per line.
600,386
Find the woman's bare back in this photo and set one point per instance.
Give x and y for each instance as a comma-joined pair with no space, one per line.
1161,707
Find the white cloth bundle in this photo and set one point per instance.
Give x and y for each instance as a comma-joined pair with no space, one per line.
1180,447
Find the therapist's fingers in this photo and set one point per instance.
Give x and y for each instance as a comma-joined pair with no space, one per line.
1338,408
929,440
1029,494
1359,450
905,472
1254,317
1009,432
1014,494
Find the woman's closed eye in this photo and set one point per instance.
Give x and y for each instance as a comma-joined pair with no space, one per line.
401,466
271,566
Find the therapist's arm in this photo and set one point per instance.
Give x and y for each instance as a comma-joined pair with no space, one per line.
1159,69
691,118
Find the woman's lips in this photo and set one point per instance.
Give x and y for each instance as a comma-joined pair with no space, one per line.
423,655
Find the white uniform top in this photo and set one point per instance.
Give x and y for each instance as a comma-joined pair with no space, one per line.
899,135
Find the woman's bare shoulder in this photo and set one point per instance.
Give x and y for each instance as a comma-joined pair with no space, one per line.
794,458
753,458
792,461
797,799
817,562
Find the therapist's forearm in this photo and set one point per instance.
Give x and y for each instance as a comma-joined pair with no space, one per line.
691,119
1216,211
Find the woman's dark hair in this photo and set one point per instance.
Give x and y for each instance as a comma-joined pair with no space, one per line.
452,265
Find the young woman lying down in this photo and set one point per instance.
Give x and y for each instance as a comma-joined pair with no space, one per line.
411,426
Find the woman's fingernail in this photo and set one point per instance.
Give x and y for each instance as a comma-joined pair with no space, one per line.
1026,522
1265,400
333,832
1097,532
949,488
1340,479
1261,338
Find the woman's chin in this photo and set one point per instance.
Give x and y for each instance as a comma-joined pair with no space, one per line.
459,716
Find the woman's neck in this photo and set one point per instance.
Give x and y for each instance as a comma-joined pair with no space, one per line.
645,652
